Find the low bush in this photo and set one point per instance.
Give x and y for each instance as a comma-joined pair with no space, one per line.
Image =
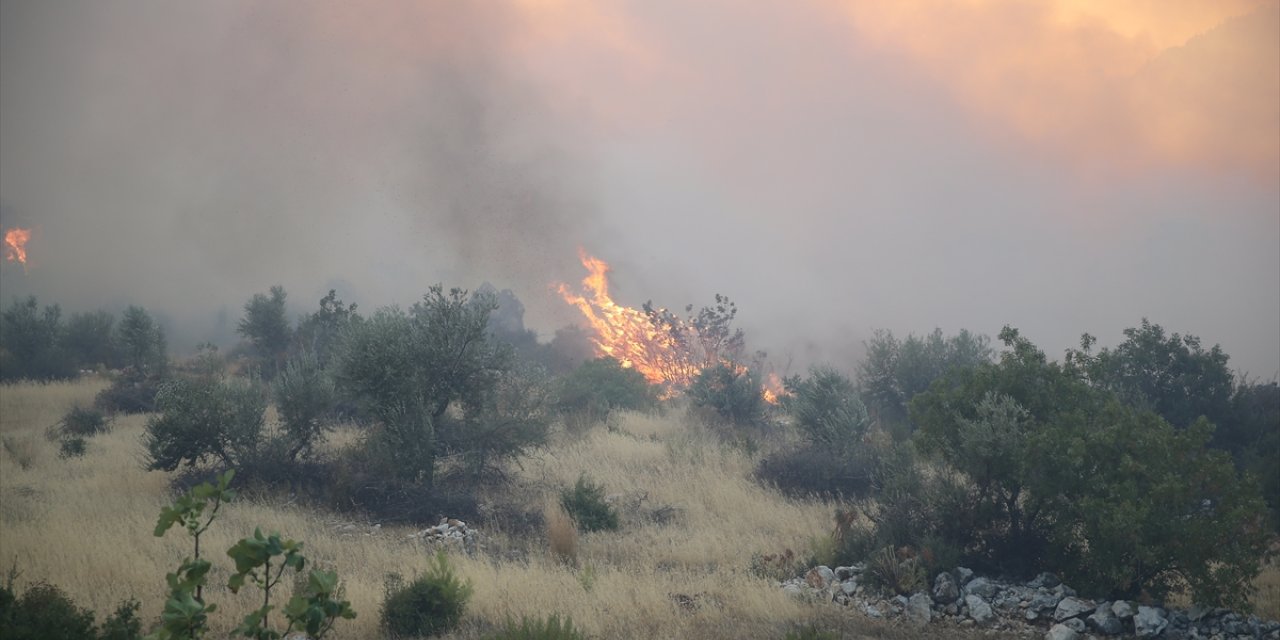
80,421
586,505
45,612
130,392
819,471
729,393
590,392
431,604
895,571
72,447
550,628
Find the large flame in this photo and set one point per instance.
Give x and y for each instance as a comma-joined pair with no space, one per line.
15,245
630,335
664,348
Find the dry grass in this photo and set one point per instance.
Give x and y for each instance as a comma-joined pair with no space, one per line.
691,518
562,535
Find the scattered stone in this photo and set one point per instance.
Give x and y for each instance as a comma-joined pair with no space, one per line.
979,610
1075,624
1046,580
1071,607
963,575
919,609
945,589
849,587
844,573
1061,632
1149,622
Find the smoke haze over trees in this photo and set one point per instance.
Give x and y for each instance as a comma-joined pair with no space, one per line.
866,168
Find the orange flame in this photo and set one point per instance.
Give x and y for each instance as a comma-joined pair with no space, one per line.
773,390
15,245
626,334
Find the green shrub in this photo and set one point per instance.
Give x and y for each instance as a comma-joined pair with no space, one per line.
430,605
305,398
72,447
1062,476
551,628
586,505
602,385
123,623
84,422
130,392
43,612
827,409
819,471
731,393
202,420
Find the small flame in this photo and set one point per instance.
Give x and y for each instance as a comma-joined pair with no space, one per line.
773,390
15,245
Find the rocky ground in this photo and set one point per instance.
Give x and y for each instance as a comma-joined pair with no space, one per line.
1043,607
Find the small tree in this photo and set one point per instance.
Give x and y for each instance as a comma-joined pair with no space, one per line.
408,368
31,342
204,419
305,397
266,327
90,339
142,342
321,332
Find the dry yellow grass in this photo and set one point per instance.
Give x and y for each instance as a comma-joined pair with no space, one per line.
676,569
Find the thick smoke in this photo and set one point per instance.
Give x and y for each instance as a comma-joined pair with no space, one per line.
832,167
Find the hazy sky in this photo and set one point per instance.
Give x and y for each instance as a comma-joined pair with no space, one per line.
834,167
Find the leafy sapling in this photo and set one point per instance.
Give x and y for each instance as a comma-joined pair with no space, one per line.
185,612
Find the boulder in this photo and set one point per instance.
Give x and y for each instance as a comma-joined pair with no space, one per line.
1105,622
979,610
963,575
919,609
1061,632
945,589
1046,580
1071,607
1149,622
820,577
1122,609
981,587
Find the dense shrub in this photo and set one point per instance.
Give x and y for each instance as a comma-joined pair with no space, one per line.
80,421
509,417
730,393
132,391
819,471
895,370
72,447
586,505
827,409
123,623
550,628
430,605
203,420
602,385
31,343
43,612
1059,475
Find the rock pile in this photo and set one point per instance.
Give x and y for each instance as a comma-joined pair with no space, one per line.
1043,607
450,532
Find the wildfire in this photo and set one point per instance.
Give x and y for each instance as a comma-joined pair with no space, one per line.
15,245
626,334
665,349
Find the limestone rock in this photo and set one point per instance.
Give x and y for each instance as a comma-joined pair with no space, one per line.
979,610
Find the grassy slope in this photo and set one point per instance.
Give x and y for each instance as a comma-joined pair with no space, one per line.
85,525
